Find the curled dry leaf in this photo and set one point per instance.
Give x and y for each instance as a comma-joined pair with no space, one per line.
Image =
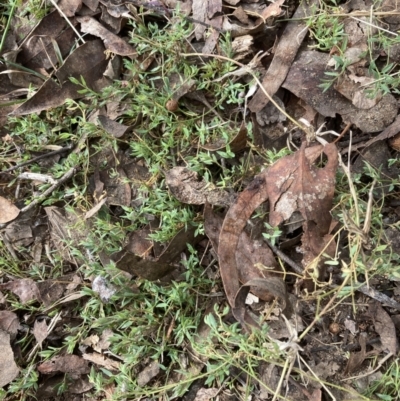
8,211
185,186
249,256
234,223
292,184
101,360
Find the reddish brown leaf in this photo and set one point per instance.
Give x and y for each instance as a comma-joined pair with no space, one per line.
294,184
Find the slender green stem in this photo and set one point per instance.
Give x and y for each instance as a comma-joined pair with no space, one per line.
3,38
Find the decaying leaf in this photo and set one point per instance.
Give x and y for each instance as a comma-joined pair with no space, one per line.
285,52
303,79
87,61
8,211
38,51
235,221
66,227
112,42
154,268
250,255
148,373
40,331
237,144
101,360
26,289
9,323
206,394
291,184
185,186
70,7
294,184
65,364
8,368
113,128
384,326
357,358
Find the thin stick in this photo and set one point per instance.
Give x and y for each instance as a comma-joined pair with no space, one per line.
49,190
35,159
68,21
285,258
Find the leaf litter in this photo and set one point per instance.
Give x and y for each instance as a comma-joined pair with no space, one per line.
262,283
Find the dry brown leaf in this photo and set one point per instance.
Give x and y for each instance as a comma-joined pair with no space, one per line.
8,211
185,186
357,358
37,49
66,227
65,364
384,326
87,61
204,11
40,331
26,289
8,368
113,128
101,360
303,79
154,268
70,7
234,223
9,322
112,42
238,143
148,373
205,394
118,190
295,185
285,52
249,256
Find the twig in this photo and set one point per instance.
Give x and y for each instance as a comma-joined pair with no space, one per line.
382,298
285,258
67,20
49,190
35,159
